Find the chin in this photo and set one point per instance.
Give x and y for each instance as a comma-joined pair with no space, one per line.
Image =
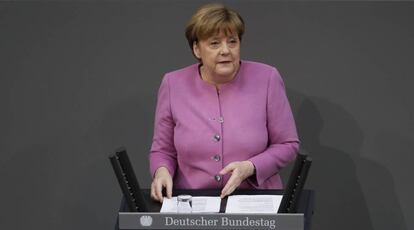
226,71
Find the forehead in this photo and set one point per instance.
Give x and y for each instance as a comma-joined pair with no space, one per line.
222,33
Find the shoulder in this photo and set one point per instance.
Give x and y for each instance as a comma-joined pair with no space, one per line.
182,74
260,70
256,65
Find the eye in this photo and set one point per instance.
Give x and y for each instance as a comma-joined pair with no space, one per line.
233,42
214,44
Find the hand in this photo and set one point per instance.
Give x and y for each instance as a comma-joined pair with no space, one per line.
162,179
240,170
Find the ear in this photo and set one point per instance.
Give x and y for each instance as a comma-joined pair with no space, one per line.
196,50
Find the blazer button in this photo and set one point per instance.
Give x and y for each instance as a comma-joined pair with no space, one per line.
216,157
217,178
221,119
216,137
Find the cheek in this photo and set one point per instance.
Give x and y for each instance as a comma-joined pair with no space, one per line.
212,57
236,53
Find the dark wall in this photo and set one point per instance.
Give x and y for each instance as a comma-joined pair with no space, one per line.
79,79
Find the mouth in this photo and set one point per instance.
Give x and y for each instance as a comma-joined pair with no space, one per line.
224,62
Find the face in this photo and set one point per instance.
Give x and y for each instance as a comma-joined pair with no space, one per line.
220,55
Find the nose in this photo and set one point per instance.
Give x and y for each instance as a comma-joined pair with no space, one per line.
224,49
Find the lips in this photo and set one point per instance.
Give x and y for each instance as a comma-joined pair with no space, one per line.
224,62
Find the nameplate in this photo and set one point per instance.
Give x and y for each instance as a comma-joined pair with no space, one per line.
148,220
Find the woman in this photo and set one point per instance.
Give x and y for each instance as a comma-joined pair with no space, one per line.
221,123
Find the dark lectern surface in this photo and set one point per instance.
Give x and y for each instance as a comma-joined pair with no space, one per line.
153,206
305,206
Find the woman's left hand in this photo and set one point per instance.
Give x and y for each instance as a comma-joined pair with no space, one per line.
240,170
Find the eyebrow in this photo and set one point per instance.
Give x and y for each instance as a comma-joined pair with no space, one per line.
217,38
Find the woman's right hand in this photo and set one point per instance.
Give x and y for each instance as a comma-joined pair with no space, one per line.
162,179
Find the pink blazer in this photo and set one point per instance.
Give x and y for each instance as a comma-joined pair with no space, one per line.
198,131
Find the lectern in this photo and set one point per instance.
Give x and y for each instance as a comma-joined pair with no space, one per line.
139,211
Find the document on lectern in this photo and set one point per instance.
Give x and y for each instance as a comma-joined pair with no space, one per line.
200,204
253,203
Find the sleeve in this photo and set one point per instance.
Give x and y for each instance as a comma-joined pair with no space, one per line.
163,152
283,138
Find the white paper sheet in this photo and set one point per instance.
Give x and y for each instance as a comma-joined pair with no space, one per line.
201,204
253,203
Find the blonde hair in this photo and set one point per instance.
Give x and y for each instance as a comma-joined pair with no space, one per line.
211,19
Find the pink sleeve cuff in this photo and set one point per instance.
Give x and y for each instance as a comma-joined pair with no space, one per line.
269,162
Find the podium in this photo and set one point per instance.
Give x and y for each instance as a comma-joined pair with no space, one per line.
153,219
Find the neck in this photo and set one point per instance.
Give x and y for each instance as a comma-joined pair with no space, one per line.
216,80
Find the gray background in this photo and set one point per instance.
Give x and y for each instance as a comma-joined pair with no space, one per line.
79,79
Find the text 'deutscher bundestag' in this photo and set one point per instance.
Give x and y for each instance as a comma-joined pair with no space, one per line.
211,221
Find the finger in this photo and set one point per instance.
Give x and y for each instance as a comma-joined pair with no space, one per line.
227,187
227,191
230,167
169,189
153,191
230,185
158,191
224,191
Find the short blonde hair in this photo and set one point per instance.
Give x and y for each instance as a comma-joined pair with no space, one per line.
211,19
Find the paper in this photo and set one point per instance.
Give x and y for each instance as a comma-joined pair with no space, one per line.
253,203
200,204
